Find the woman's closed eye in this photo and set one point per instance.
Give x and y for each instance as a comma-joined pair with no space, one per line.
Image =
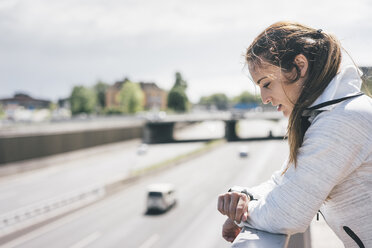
266,85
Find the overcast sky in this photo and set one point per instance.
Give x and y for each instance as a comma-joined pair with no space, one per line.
48,46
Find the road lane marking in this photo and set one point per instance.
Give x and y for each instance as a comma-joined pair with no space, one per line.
87,240
6,194
39,212
48,228
151,241
90,210
38,232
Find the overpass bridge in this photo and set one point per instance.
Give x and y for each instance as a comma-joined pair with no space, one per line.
162,130
23,142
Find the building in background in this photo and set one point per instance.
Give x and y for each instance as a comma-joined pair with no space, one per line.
112,94
26,101
155,97
23,107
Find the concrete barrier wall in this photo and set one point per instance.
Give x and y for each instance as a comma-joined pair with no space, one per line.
18,148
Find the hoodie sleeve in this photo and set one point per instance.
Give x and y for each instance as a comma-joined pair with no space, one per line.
334,146
264,188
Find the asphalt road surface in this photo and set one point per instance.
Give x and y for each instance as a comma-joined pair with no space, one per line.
93,166
121,220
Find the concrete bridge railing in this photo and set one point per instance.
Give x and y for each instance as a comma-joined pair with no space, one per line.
252,238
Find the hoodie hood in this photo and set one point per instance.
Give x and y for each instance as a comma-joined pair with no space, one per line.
347,82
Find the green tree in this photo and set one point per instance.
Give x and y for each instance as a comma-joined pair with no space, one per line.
53,106
367,86
177,98
205,100
115,110
180,82
367,80
131,98
100,90
2,112
246,97
82,100
220,100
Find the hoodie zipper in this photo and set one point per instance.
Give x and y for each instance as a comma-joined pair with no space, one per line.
353,236
348,231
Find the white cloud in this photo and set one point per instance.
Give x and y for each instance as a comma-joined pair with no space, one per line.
62,43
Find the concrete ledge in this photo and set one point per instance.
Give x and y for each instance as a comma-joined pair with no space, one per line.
252,238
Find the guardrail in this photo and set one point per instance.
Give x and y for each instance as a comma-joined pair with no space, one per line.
252,238
22,218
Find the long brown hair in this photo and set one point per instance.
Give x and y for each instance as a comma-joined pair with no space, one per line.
278,45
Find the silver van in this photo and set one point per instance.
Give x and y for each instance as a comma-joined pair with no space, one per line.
160,197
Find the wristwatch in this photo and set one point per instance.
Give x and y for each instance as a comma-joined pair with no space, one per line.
242,190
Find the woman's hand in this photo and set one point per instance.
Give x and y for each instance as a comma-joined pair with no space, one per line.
230,230
234,205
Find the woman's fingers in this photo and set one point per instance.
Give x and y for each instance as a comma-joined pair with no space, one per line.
241,213
226,204
220,204
234,199
230,230
234,205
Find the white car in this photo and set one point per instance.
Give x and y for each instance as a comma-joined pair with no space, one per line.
160,197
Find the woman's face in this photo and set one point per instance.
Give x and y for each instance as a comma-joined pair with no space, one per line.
276,88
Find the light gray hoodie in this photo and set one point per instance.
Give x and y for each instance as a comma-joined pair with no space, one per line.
334,171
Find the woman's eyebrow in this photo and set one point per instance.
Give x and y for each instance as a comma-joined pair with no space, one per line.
259,80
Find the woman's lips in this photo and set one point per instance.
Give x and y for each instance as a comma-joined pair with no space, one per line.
279,107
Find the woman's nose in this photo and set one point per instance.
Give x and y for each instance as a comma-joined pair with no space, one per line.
265,98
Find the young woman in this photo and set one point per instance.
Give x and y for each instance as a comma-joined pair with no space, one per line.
329,168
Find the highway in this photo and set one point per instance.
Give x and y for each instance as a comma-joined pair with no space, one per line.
95,166
73,185
69,181
120,220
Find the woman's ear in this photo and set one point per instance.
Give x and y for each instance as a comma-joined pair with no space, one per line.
302,63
